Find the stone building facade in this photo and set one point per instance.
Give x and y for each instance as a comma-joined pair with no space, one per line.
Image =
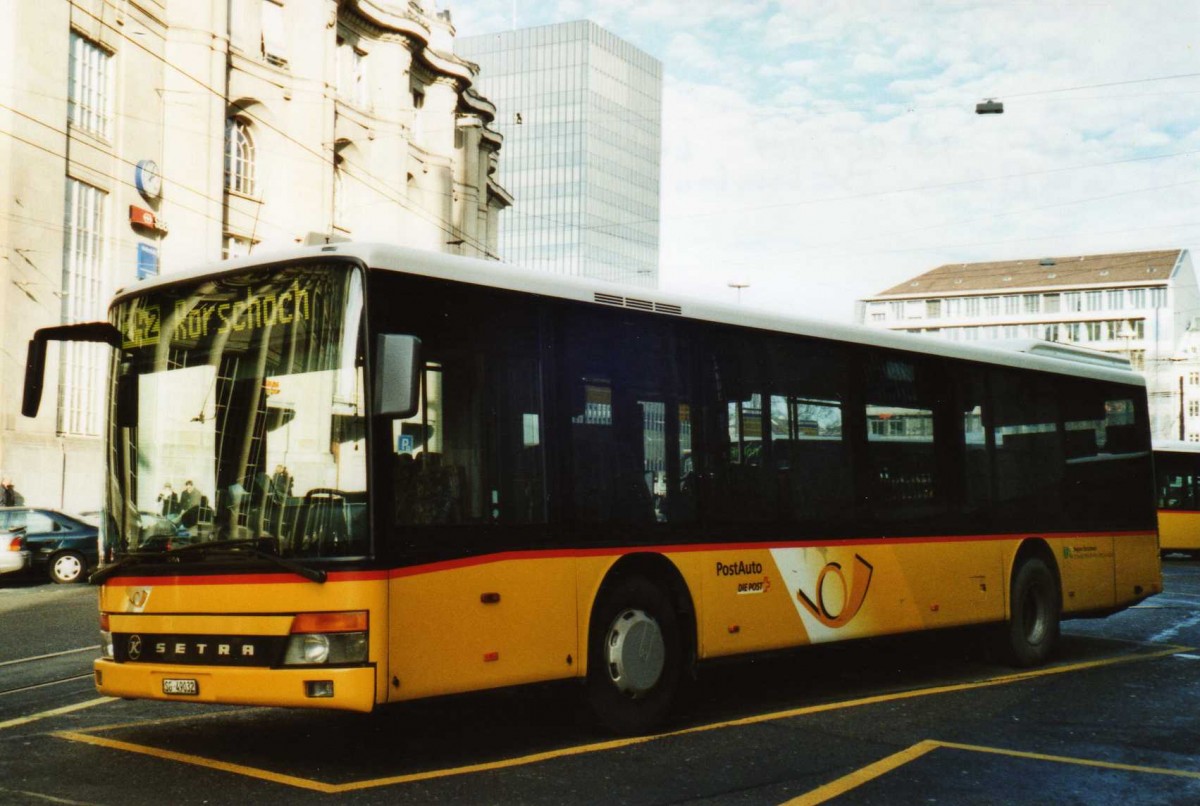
148,136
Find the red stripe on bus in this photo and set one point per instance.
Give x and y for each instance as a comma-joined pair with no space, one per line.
549,554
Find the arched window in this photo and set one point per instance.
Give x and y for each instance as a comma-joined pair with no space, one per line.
239,157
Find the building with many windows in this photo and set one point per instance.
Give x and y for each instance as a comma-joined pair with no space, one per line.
1144,306
581,115
139,136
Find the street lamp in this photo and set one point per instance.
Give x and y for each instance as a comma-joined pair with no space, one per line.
739,287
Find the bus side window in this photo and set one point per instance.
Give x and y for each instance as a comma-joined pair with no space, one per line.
904,474
1029,457
628,419
976,459
472,453
810,454
1105,432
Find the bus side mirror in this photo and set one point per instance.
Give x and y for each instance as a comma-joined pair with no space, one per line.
397,375
35,372
35,359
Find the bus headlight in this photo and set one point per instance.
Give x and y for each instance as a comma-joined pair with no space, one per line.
327,638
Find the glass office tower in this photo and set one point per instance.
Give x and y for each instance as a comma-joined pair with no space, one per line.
581,115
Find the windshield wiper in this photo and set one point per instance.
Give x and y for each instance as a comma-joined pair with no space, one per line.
246,546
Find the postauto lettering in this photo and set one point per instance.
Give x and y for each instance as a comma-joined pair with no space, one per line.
738,568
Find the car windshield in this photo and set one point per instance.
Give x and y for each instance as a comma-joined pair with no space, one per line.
238,413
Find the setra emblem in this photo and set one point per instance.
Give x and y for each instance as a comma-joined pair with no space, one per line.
135,647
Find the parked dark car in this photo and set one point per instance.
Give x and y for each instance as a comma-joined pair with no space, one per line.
62,546
155,532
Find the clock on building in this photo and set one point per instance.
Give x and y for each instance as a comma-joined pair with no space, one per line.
147,179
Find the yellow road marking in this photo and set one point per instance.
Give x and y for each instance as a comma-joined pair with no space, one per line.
200,761
66,709
595,747
880,768
1083,762
861,776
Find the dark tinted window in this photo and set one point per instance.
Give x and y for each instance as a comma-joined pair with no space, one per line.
1178,477
1106,441
629,414
905,419
474,452
776,447
1029,450
974,411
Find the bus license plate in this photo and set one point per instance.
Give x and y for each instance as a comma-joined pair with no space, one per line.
176,686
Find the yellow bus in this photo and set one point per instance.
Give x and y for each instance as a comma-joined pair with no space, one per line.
414,474
1177,468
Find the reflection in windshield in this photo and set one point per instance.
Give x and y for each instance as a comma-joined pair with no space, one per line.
249,413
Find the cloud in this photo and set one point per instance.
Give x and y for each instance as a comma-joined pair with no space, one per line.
826,149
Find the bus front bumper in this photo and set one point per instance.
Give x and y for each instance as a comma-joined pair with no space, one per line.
345,689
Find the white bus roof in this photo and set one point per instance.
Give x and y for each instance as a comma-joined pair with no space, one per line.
1175,446
1031,354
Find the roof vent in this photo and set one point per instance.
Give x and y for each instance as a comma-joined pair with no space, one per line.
1008,279
1104,272
637,304
1047,261
1051,276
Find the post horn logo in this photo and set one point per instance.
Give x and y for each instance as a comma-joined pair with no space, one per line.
855,593
138,597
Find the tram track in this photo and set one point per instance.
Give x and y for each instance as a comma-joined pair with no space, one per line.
35,672
33,686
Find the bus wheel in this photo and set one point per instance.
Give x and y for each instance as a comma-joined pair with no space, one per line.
634,656
1032,629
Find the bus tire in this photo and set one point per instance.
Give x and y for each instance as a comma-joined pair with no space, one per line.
635,656
1033,624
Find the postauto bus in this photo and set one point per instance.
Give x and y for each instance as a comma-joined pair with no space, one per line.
418,474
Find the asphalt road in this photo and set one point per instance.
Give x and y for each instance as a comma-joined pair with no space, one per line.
924,719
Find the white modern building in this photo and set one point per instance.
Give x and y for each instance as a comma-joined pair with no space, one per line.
145,136
1144,306
581,114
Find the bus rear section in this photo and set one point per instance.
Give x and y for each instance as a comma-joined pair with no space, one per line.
1177,473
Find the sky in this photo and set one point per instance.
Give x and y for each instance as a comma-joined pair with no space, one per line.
823,151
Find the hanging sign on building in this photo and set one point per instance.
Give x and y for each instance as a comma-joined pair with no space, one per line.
141,217
147,261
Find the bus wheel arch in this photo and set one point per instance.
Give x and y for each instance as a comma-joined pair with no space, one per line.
641,642
1031,632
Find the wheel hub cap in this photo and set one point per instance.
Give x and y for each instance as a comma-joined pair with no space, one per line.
635,652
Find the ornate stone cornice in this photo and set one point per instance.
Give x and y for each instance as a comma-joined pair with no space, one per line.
410,24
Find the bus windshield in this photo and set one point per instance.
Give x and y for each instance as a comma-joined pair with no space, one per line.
238,414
